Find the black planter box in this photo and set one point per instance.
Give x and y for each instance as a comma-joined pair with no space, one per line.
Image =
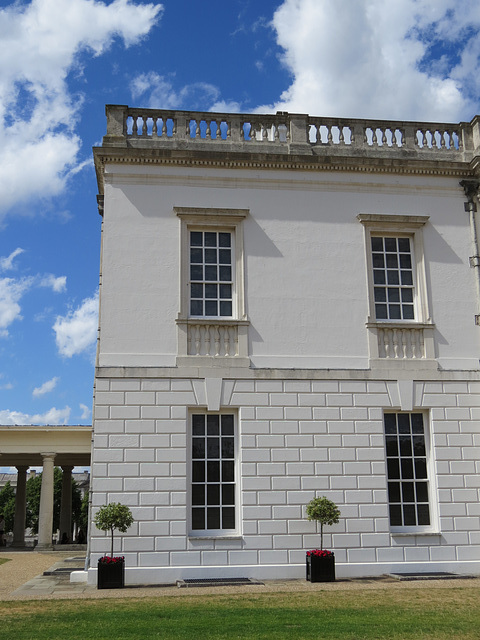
321,569
111,576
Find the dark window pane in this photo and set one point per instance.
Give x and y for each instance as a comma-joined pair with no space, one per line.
213,494
391,244
403,423
210,272
213,471
210,239
224,240
378,261
393,469
392,277
419,446
198,448
198,494
224,256
225,308
228,517
379,277
394,492
407,295
377,244
405,446
213,518
198,518
228,471
407,492
421,489
196,272
417,423
213,425
407,311
210,256
407,278
392,261
392,445
196,291
380,294
394,311
196,307
393,295
381,311
404,245
196,238
198,471
196,256
225,291
405,261
420,468
228,494
395,515
227,425
423,513
409,515
390,423
227,448
213,447
407,469
198,424
211,308
225,274
211,291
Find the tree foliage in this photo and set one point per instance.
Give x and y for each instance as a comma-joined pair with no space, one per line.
324,511
113,516
7,506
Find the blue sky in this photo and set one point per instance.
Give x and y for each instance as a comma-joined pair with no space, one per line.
63,60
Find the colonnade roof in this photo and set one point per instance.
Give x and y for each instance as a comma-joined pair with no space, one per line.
28,444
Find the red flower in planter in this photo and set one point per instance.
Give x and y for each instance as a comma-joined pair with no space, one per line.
110,560
320,553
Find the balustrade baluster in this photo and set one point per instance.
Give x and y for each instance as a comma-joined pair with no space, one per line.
174,127
197,340
134,127
381,344
207,340
154,127
422,344
164,127
415,339
395,343
264,133
365,137
387,343
404,336
208,132
144,127
276,133
216,334
341,137
226,340
198,133
384,137
329,135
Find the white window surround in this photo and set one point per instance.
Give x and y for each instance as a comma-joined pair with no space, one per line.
403,340
432,528
207,338
214,534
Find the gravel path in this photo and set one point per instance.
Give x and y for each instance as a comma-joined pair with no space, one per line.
23,566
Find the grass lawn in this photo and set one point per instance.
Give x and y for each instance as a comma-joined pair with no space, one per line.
395,613
3,560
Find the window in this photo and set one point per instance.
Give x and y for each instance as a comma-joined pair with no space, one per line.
407,476
211,274
213,490
393,287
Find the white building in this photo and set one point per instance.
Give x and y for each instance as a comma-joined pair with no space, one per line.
289,309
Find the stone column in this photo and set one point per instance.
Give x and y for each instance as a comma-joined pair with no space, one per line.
66,504
45,518
20,507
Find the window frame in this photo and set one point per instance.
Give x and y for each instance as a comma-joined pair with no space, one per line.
399,226
414,529
213,533
219,220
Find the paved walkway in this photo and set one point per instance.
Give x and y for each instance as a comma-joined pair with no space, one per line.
56,584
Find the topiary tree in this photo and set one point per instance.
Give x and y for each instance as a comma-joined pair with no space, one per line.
324,511
113,516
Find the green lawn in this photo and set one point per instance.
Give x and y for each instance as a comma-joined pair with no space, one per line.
394,613
3,560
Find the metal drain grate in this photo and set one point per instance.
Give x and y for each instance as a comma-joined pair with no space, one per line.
215,582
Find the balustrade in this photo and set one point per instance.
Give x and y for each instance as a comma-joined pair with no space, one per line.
147,126
212,340
403,343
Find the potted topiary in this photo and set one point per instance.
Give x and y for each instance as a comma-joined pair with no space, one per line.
111,570
320,562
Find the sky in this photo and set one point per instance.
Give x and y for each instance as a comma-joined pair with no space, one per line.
63,60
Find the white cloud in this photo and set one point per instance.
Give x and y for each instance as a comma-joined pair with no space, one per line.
46,387
77,331
40,44
156,89
372,58
51,417
85,412
11,291
57,284
7,263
